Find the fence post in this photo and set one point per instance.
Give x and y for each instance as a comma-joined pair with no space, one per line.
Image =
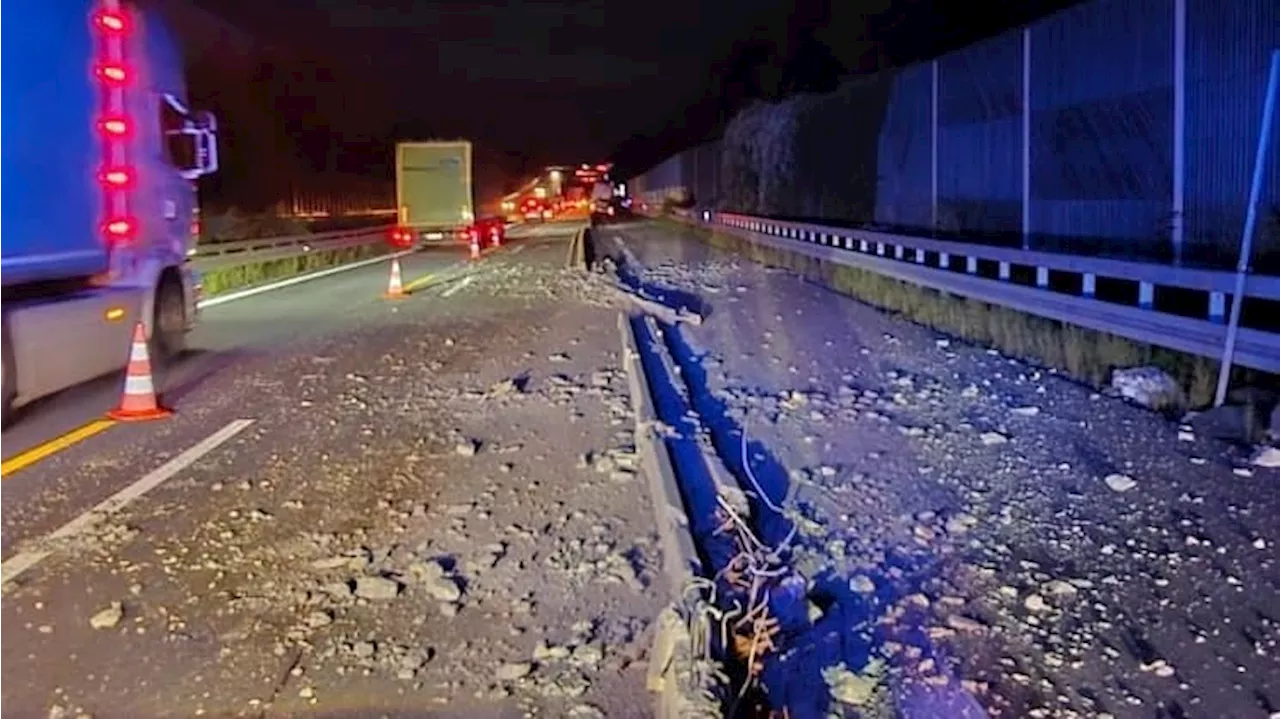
1026,138
1250,224
1177,229
933,151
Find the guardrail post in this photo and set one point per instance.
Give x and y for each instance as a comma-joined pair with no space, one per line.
1090,284
944,260
1146,295
897,252
862,246
880,249
971,265
1217,306
919,257
1004,271
1042,277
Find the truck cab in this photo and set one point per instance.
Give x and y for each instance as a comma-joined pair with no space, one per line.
100,152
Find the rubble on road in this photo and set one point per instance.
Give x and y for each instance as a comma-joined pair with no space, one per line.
405,545
995,538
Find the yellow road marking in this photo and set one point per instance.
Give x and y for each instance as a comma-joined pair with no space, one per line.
53,446
420,282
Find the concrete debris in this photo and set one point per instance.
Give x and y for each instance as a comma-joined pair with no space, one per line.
855,690
991,439
1149,387
436,580
108,617
1120,482
513,670
1268,457
374,587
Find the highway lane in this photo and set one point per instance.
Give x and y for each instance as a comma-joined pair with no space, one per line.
228,338
250,325
347,441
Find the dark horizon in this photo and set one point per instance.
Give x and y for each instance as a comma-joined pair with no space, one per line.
326,89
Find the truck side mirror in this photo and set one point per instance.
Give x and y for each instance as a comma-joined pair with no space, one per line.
191,138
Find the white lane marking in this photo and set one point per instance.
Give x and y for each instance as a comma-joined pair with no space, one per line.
241,294
23,561
457,286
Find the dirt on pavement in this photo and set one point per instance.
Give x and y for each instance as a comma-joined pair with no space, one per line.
978,536
439,515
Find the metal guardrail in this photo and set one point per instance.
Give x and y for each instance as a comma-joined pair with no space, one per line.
222,254
954,267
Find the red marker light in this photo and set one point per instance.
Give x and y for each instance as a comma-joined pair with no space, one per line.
112,74
110,22
119,229
113,126
117,178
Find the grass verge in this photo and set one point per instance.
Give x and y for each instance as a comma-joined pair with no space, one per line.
1083,354
237,277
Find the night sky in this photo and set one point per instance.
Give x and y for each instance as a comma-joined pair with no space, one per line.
530,83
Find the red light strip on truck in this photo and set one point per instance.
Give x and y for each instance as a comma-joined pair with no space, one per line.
111,26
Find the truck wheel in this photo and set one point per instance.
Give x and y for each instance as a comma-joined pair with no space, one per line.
9,388
168,323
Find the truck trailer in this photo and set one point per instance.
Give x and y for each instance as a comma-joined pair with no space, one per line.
433,189
99,154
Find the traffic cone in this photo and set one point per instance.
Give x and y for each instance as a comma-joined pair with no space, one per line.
395,289
495,237
139,399
475,245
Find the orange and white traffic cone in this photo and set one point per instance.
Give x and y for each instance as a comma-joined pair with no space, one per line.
139,399
475,245
395,287
495,237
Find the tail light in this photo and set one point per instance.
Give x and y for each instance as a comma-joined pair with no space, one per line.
401,237
113,127
112,74
120,228
111,22
116,178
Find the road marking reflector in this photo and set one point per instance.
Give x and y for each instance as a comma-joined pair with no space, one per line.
53,446
23,561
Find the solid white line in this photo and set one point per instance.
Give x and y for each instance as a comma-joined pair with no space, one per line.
23,561
459,285
241,294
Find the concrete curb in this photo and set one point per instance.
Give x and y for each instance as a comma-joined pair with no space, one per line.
684,686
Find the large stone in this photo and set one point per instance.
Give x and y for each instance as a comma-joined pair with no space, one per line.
1149,387
376,588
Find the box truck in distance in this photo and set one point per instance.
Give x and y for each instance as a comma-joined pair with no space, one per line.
433,190
99,154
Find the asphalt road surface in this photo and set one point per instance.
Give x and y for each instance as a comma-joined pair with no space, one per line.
227,336
361,507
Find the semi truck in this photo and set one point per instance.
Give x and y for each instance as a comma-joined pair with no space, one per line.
433,189
100,153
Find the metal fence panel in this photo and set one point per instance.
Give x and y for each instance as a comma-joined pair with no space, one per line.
1228,50
904,161
980,137
1101,126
